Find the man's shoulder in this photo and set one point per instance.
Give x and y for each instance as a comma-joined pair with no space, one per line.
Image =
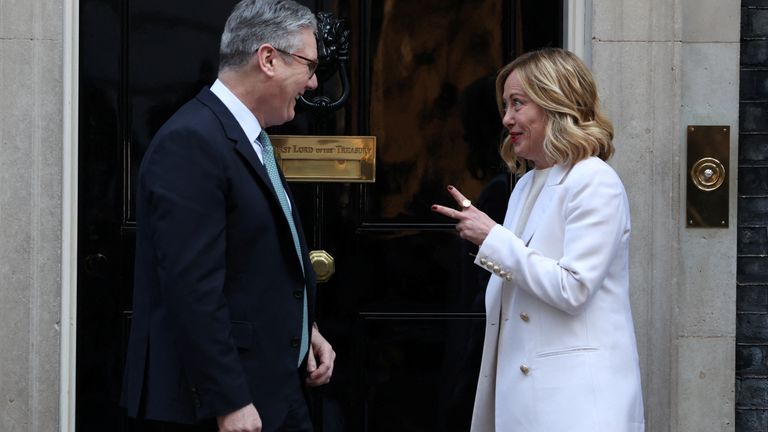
196,115
201,105
193,130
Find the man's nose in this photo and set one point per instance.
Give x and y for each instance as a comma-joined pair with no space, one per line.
312,83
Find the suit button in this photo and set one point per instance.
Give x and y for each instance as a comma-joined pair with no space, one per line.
508,277
502,273
489,265
298,294
524,316
295,342
496,269
195,398
483,261
524,369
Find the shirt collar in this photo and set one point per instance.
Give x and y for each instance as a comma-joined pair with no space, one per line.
245,118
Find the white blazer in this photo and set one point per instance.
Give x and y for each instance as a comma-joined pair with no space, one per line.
560,352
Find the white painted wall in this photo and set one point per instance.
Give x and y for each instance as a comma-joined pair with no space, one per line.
662,65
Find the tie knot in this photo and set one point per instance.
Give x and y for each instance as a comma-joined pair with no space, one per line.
264,139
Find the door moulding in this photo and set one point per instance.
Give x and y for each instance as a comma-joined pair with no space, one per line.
577,28
68,319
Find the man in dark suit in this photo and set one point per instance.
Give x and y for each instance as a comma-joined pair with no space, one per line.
224,290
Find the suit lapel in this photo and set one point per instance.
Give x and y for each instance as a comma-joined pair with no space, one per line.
245,148
235,133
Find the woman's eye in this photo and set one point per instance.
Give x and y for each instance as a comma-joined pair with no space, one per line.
517,103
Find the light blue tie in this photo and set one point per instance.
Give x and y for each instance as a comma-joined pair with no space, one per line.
274,176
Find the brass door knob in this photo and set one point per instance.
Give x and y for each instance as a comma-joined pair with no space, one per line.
95,264
708,174
323,264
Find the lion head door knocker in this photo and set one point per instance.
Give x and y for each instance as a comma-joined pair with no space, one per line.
333,54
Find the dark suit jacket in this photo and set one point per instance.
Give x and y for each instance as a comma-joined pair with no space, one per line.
218,286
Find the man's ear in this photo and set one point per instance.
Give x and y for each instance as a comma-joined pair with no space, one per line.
264,59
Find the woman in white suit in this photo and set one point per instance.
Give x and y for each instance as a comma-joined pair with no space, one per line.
560,352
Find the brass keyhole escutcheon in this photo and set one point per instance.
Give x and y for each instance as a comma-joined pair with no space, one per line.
323,264
708,174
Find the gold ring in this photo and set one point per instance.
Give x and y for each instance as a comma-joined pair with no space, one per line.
466,203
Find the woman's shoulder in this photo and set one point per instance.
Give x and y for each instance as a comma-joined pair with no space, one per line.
592,172
594,166
594,163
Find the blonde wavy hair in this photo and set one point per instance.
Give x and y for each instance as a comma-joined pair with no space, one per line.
562,85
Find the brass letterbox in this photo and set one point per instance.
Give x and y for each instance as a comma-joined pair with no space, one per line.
344,159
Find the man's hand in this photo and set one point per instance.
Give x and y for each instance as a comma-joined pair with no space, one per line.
322,352
246,419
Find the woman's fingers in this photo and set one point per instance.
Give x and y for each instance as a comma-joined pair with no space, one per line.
472,224
461,200
446,211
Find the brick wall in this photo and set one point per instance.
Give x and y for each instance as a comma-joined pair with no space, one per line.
752,261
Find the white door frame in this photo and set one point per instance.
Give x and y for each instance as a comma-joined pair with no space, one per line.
577,28
68,351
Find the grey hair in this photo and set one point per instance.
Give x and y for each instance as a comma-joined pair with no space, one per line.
253,23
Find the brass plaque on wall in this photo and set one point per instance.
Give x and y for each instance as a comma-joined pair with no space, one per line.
312,158
707,174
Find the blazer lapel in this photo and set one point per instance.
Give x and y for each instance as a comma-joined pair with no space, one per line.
554,178
518,195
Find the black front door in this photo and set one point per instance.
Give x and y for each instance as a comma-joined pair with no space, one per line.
404,309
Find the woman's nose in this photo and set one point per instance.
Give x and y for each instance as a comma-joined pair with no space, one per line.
508,119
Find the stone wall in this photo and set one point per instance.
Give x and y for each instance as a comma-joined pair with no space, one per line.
30,213
752,263
662,65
